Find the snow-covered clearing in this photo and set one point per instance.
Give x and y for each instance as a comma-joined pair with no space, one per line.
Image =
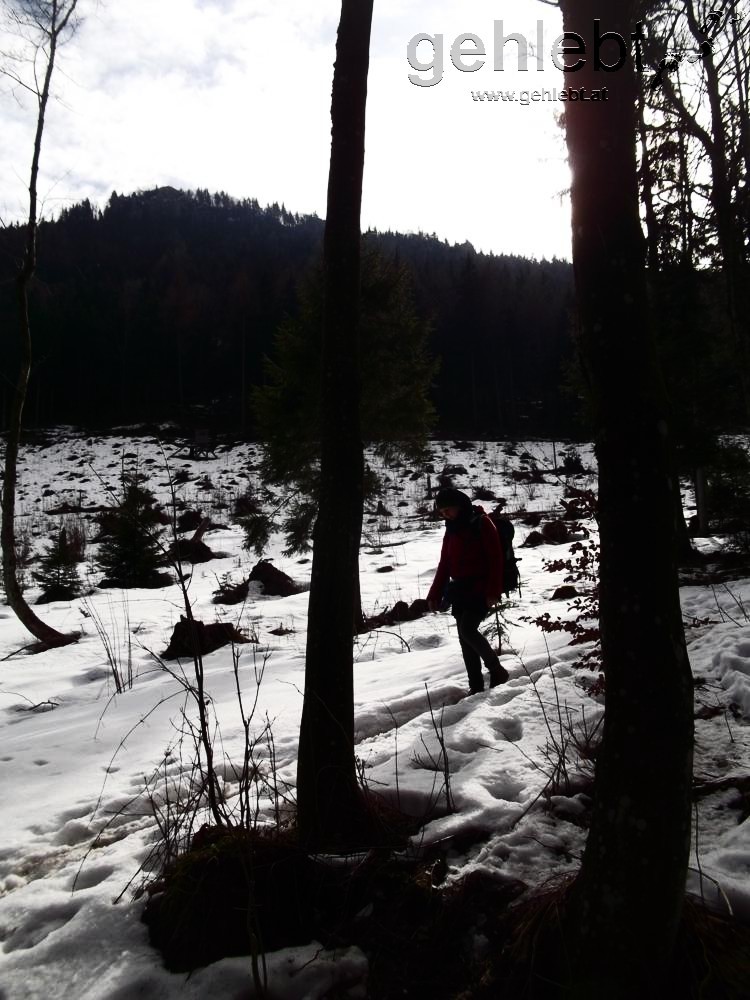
78,763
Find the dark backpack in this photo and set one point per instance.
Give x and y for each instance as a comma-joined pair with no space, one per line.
506,531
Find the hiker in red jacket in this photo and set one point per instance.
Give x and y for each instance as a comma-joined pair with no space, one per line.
469,578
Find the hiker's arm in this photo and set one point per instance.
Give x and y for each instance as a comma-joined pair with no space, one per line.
435,592
494,555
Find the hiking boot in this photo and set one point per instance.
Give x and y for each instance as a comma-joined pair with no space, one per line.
476,688
498,675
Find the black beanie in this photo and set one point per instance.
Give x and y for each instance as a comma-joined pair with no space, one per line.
450,497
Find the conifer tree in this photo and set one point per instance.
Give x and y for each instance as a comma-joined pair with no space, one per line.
394,406
131,554
58,573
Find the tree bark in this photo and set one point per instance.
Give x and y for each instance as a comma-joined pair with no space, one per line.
329,804
625,905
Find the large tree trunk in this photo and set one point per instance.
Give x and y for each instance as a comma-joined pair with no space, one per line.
329,807
51,23
624,908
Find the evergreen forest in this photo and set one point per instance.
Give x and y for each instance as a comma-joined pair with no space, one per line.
173,305
166,305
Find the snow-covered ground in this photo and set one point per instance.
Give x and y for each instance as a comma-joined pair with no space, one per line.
81,766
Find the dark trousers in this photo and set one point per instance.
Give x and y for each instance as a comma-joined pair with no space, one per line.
469,613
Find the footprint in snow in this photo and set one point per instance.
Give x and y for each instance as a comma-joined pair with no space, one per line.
39,925
508,727
74,832
505,788
87,878
427,641
481,732
92,676
506,692
451,714
77,812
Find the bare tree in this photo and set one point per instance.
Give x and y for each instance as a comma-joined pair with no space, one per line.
709,107
43,24
328,798
694,171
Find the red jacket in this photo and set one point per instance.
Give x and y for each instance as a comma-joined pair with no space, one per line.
471,554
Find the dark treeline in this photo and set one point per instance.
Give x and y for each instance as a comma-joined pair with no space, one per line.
162,306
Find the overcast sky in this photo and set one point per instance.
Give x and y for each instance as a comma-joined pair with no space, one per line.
234,95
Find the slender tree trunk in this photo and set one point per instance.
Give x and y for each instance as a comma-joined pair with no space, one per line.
728,229
243,379
684,548
499,423
180,380
358,625
329,807
701,504
511,410
473,378
625,906
59,16
742,91
647,185
684,551
687,250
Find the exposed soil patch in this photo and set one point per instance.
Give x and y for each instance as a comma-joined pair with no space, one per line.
193,637
234,888
275,583
400,612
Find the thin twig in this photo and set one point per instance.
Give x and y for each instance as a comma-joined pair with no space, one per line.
440,735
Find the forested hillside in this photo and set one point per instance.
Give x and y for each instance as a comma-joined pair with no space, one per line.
163,305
